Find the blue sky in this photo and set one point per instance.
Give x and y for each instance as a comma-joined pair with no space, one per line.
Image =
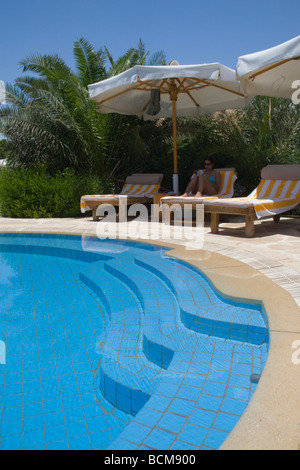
190,31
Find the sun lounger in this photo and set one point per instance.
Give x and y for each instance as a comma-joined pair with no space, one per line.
278,192
139,188
228,178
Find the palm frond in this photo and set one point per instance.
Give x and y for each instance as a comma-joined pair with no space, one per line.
123,63
89,63
50,67
158,58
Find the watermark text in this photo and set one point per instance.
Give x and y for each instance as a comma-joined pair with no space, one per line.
180,223
2,92
296,354
2,352
296,94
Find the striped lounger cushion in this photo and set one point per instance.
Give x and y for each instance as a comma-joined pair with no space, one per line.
136,190
270,198
273,197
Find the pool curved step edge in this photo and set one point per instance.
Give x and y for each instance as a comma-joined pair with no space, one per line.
123,397
157,353
114,380
200,324
44,250
158,347
94,287
142,432
225,330
129,399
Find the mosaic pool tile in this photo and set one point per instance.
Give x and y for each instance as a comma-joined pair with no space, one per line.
115,347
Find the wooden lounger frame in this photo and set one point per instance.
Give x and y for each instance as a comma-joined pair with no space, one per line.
248,212
217,209
130,200
270,172
135,179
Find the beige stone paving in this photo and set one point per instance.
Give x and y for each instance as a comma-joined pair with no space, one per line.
265,268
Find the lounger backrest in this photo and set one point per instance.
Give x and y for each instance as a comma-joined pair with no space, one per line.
228,178
221,170
278,182
281,172
144,178
143,184
277,189
226,169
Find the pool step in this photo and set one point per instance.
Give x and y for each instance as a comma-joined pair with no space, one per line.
60,252
140,295
202,309
194,393
163,331
125,376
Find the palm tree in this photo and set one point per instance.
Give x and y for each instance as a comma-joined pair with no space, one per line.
50,119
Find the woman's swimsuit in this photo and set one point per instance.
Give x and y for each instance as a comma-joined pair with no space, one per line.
212,179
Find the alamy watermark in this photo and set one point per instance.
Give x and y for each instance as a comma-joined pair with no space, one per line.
2,352
187,227
2,92
296,94
296,354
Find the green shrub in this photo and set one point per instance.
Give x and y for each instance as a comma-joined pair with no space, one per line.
33,193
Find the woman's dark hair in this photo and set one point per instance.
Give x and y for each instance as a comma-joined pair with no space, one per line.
211,160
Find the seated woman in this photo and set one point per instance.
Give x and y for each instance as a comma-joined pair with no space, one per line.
206,181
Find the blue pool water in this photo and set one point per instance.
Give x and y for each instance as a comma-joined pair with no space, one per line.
115,345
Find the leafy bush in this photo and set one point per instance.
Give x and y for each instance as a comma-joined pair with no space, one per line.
33,193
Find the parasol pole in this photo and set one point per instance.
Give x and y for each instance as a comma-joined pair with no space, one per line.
175,175
173,91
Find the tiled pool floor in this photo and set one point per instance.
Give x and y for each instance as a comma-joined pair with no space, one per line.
111,347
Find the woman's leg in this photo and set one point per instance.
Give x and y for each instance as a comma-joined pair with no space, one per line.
192,186
205,186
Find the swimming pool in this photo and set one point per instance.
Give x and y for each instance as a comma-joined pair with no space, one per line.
116,345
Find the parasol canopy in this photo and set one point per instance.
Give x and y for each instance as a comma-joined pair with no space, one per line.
170,91
272,72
